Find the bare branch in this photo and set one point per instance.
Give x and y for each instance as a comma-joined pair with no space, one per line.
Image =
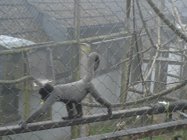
144,24
127,59
152,65
149,98
167,22
177,16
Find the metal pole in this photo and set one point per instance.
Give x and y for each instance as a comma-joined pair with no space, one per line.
156,109
75,130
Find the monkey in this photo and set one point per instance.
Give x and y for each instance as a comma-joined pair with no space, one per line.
71,93
45,92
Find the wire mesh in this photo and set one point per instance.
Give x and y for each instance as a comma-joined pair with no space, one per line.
142,70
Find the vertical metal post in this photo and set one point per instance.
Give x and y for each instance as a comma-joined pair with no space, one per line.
126,65
75,130
128,11
161,67
77,20
85,49
26,94
52,64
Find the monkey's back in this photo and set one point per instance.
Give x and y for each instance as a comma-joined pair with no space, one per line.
75,91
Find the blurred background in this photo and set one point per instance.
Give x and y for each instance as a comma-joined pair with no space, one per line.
143,52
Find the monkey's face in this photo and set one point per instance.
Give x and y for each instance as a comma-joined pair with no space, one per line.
96,62
93,60
45,91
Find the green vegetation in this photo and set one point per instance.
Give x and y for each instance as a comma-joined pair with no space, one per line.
102,127
107,127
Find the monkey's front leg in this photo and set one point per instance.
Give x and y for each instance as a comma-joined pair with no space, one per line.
71,113
78,107
69,107
109,110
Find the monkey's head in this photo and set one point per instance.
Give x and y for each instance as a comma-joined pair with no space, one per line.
45,91
94,60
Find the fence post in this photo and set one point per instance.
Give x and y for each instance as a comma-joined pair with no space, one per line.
75,130
126,66
26,94
85,49
77,20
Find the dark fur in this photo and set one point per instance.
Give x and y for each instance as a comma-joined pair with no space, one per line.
70,105
97,62
45,91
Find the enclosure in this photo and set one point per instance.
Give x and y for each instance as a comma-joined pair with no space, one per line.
142,70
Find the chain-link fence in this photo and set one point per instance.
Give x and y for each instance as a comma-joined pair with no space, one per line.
142,69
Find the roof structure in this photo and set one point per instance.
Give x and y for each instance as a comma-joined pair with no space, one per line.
17,20
92,12
9,42
46,20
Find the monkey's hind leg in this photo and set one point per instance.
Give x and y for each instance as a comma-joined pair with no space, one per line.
100,100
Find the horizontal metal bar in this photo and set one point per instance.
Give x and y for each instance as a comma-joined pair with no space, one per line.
115,39
15,18
140,132
16,80
165,60
156,109
60,44
173,76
